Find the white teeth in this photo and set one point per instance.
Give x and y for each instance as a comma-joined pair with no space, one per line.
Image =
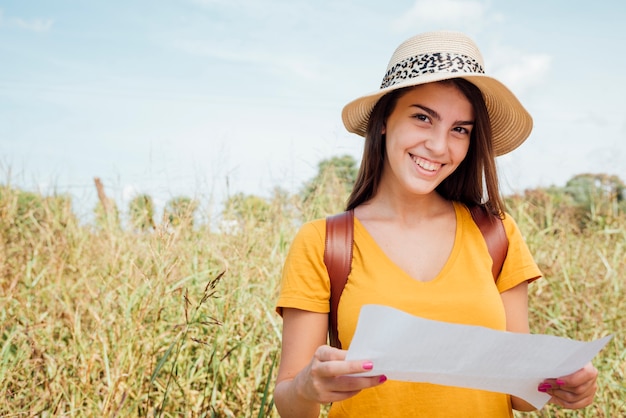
426,165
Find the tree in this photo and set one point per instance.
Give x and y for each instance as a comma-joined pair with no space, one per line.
246,209
548,209
600,195
180,211
141,212
327,192
29,213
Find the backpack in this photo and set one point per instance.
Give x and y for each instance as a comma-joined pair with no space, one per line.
339,245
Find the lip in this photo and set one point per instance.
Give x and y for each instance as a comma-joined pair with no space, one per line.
425,165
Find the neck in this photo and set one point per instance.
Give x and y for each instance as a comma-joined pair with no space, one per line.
406,209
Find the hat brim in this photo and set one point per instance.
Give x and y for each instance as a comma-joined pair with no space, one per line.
511,124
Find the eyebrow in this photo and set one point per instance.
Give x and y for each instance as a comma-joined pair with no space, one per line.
433,114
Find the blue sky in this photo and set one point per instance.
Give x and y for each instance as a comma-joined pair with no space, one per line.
207,98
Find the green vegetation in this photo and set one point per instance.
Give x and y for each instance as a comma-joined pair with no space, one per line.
141,212
177,318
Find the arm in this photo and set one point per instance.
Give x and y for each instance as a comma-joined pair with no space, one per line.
310,372
573,391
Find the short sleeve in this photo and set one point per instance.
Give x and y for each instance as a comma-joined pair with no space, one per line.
305,284
519,265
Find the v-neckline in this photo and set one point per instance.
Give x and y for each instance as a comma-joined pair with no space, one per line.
360,228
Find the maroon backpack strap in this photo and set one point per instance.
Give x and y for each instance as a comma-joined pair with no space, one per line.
339,245
338,260
492,228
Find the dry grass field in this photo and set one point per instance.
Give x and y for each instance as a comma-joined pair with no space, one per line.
104,321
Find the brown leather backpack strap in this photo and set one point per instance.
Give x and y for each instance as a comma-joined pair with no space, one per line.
493,231
338,260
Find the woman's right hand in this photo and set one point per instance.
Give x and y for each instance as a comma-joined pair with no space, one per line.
312,373
325,379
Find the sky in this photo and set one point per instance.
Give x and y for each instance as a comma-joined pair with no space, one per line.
208,98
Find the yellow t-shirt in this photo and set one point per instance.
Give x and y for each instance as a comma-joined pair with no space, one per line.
463,292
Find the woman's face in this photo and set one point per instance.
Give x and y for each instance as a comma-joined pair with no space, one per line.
427,137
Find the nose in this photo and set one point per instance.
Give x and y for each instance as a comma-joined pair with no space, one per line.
437,141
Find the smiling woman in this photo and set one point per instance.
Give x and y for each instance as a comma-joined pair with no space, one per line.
432,133
435,117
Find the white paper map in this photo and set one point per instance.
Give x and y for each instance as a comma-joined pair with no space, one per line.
409,348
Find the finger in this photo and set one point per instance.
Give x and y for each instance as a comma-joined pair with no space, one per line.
330,362
574,398
579,381
582,391
346,386
348,383
571,401
328,353
333,369
580,377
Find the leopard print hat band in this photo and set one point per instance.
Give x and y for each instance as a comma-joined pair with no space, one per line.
436,56
437,62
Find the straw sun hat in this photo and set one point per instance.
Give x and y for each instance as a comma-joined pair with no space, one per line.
442,55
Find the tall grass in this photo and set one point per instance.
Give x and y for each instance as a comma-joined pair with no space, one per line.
583,292
101,321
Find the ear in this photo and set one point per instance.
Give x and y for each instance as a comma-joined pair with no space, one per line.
384,131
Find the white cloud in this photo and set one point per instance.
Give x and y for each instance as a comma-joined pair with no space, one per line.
522,71
36,24
221,3
212,49
302,66
442,12
266,10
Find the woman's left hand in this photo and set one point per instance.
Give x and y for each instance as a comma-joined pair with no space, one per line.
574,391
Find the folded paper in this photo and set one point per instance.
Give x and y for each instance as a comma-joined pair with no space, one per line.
409,348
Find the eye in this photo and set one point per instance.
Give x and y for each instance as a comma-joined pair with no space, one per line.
462,130
421,117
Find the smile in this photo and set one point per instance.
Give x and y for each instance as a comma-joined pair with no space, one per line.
425,164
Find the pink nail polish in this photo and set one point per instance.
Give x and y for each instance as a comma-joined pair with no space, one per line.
544,386
560,382
367,365
382,379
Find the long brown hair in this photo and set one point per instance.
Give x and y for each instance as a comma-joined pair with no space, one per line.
466,184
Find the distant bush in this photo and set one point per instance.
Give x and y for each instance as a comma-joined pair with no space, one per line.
141,212
180,211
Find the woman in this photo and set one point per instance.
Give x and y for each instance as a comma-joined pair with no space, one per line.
432,132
